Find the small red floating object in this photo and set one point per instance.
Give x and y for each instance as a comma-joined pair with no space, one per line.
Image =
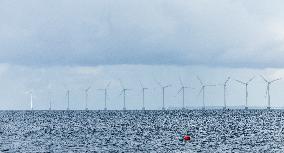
186,138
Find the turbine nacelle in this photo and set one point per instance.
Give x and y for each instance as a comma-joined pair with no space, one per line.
166,86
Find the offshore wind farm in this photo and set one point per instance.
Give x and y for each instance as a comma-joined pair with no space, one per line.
141,76
186,104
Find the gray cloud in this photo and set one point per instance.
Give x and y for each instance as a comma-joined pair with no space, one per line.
89,33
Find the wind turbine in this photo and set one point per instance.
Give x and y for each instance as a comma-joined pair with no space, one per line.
105,92
50,99
68,99
31,99
225,88
143,95
268,83
86,97
246,85
50,96
163,92
203,87
123,91
182,90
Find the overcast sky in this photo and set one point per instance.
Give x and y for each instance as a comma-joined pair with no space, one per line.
55,45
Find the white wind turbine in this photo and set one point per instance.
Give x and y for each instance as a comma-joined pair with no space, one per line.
86,97
67,96
246,85
182,89
30,93
163,92
105,93
31,99
203,87
268,83
123,91
50,100
225,89
50,96
143,95
68,99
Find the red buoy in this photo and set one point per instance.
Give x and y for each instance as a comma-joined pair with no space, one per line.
186,138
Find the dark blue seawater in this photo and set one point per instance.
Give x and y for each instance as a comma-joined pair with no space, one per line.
142,131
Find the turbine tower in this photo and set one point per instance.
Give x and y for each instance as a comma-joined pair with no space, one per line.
268,83
31,99
68,102
143,95
163,93
203,87
246,85
86,97
50,99
182,90
123,91
105,93
225,89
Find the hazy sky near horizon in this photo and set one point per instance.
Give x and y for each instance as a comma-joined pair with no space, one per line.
55,45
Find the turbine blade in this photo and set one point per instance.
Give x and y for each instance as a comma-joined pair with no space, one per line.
263,78
240,81
108,84
141,84
88,88
250,79
159,83
275,80
180,81
121,92
200,91
200,80
228,79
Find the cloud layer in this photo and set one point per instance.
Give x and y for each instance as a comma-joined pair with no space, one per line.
160,32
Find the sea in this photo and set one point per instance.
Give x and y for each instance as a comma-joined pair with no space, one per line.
213,130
